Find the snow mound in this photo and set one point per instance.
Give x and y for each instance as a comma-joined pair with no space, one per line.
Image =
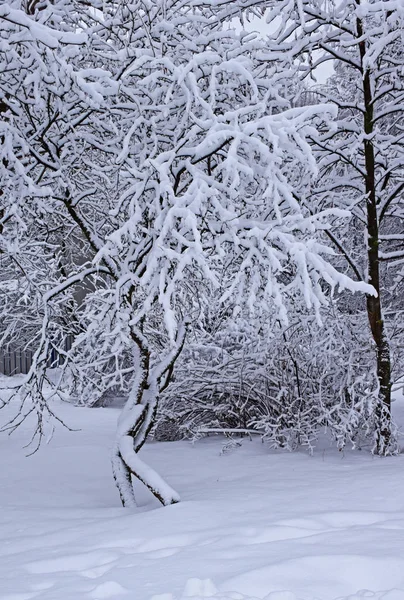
204,589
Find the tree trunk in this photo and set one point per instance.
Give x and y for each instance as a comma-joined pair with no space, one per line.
374,311
126,463
374,304
136,421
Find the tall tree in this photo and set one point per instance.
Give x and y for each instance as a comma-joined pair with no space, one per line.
168,155
361,156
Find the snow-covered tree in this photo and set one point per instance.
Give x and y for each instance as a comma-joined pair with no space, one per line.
361,153
176,171
47,94
287,383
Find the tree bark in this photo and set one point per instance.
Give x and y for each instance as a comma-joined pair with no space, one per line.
136,421
374,303
131,436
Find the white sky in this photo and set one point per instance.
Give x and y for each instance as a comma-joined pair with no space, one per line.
322,73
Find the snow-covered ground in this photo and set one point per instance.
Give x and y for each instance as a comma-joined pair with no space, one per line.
252,523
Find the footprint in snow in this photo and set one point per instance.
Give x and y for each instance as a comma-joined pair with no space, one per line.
96,571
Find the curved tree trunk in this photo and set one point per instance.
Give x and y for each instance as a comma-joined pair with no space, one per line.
126,463
136,421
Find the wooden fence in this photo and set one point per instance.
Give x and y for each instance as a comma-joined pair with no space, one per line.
14,362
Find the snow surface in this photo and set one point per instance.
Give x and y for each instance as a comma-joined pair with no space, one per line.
253,523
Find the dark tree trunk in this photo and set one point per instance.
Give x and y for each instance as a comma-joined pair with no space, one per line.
374,303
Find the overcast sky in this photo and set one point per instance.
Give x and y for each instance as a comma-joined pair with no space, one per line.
322,72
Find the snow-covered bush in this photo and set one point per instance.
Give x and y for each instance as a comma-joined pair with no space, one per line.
285,383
